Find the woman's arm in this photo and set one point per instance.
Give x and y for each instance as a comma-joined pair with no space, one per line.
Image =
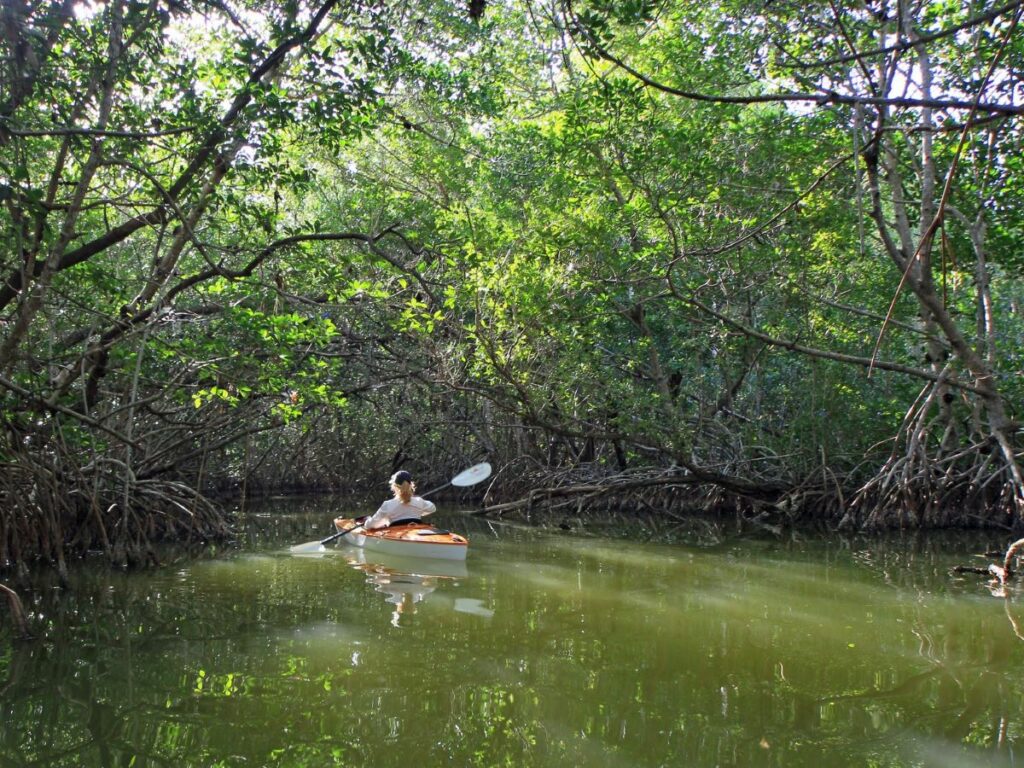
379,519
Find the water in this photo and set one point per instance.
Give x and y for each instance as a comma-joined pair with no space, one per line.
543,650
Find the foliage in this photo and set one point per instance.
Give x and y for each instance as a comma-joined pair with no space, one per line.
263,245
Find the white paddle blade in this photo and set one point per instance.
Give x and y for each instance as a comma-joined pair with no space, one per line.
309,548
473,475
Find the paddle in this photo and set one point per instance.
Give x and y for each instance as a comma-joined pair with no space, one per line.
467,477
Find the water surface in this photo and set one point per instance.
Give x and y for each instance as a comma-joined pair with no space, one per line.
544,649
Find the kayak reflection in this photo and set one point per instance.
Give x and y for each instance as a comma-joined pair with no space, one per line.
404,581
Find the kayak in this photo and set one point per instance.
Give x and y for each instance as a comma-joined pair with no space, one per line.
413,540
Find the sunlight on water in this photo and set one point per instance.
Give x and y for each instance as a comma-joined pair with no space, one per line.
540,650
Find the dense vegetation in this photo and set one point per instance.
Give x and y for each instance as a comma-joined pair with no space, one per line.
744,256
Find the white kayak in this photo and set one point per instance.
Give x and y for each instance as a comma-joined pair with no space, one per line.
399,566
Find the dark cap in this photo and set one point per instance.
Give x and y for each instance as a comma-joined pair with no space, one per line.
401,476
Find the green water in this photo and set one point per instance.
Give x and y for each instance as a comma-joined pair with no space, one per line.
546,650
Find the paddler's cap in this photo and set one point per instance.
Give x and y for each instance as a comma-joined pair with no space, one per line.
401,476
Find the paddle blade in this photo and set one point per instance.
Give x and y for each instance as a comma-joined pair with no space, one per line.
473,475
309,548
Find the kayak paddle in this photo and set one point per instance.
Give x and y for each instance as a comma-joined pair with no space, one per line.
467,477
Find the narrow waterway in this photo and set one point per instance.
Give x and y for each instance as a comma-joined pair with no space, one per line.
543,649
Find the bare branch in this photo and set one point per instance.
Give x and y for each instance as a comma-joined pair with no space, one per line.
100,132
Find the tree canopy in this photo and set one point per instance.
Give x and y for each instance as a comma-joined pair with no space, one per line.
750,256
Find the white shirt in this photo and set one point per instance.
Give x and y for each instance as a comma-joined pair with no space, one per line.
394,510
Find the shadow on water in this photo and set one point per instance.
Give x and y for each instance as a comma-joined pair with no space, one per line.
541,649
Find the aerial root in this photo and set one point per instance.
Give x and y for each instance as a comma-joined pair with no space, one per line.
917,489
17,612
44,520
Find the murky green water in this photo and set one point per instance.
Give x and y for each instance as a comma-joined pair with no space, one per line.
545,650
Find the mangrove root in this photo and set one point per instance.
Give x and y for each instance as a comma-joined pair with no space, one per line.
17,612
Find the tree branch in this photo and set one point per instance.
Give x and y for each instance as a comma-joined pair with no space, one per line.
974,21
821,99
55,407
864,362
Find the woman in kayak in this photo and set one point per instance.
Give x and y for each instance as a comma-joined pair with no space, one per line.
403,508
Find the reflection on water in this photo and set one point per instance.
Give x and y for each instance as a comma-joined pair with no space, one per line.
540,651
404,581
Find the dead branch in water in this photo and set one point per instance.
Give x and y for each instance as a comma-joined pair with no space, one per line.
584,492
673,493
1003,572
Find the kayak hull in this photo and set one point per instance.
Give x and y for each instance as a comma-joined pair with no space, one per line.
405,567
416,540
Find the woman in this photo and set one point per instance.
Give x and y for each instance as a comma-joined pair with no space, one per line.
403,508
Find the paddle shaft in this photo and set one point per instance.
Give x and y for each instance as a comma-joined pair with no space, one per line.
435,490
338,535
